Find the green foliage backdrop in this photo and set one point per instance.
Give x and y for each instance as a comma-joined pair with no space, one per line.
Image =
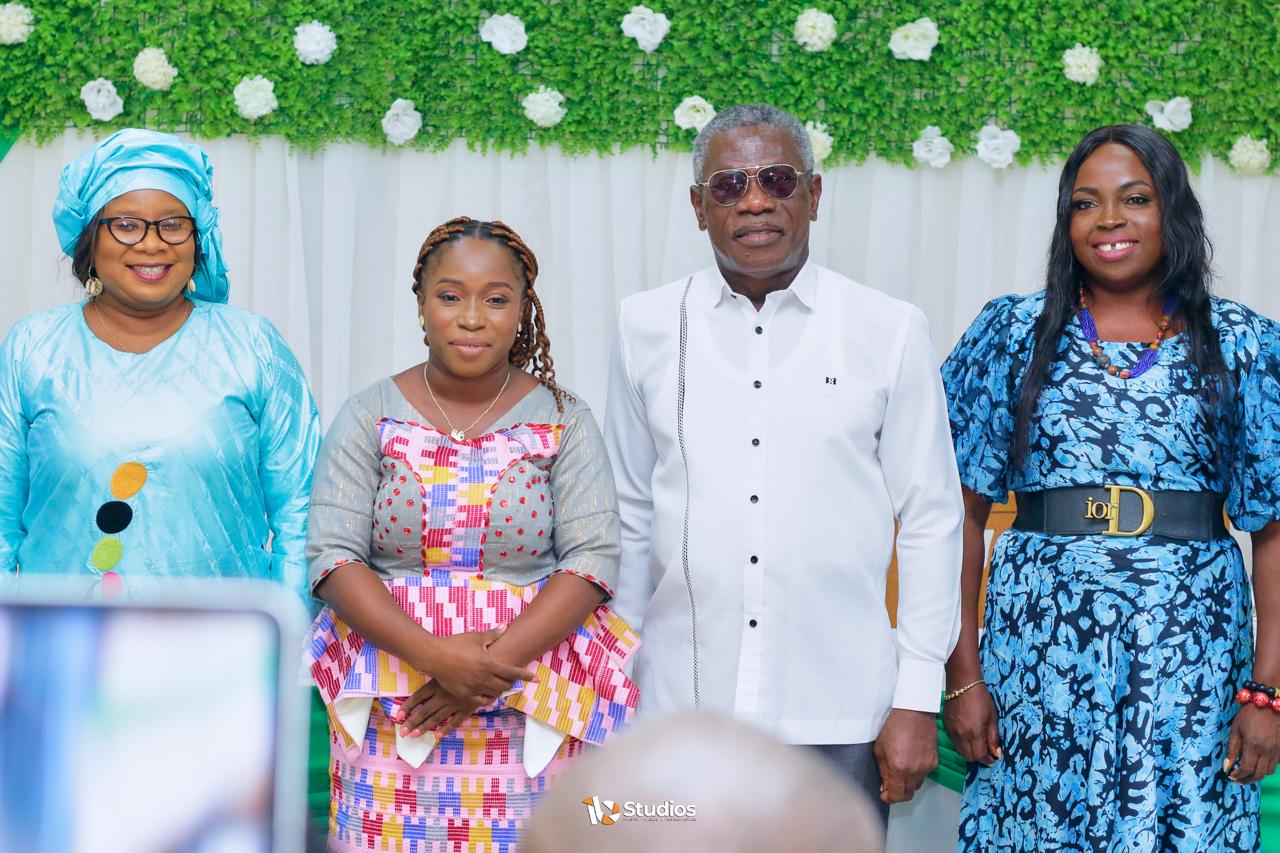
997,60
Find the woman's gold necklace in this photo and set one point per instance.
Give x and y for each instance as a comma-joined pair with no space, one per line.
455,433
102,319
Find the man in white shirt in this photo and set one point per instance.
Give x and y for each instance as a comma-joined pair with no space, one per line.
768,421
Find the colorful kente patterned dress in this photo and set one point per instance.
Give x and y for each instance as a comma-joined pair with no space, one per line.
464,534
1113,661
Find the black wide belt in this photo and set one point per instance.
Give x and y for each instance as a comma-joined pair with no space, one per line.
1121,511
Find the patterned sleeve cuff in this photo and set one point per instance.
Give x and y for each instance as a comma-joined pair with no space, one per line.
324,573
590,577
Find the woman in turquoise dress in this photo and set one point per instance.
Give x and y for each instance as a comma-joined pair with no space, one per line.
1099,708
150,430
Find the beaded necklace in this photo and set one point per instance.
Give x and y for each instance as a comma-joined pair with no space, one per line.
1149,356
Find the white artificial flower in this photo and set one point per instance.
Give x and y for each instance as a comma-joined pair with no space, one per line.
996,147
646,26
1250,156
1081,64
544,107
151,67
255,97
820,140
915,40
505,33
693,113
101,100
932,147
402,122
1172,115
16,23
815,30
314,43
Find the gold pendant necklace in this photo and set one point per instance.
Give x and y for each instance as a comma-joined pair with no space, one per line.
456,434
102,318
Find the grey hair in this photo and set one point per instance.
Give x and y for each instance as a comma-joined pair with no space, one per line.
751,115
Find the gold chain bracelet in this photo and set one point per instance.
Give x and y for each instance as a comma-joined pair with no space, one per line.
952,694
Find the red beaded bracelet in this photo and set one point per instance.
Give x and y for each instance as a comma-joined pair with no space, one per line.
1259,695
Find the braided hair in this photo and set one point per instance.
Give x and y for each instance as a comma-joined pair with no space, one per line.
532,348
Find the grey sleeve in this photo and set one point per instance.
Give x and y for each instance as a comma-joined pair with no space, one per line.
342,492
587,537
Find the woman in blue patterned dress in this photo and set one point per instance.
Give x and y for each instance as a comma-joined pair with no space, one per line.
1124,405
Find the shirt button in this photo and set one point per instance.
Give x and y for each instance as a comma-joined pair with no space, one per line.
752,623
755,499
758,384
755,442
759,330
754,559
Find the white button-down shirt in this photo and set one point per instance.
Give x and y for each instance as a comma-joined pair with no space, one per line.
809,426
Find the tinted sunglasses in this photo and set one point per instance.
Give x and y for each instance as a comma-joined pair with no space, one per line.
728,186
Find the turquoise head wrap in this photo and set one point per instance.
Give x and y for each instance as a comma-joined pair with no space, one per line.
132,159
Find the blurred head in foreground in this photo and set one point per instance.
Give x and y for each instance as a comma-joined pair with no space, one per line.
746,791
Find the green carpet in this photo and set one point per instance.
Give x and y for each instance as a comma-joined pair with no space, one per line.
318,768
1271,814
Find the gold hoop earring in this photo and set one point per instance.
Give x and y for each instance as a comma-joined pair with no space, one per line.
191,286
422,321
519,328
93,286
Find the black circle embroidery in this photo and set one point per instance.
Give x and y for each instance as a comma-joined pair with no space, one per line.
114,516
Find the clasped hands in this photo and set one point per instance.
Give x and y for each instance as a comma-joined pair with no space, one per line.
464,677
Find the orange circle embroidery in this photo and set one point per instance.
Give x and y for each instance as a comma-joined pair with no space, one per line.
127,480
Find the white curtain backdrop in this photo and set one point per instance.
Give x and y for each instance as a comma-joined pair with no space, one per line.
323,244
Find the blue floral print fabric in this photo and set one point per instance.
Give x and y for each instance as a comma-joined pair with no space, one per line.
1113,661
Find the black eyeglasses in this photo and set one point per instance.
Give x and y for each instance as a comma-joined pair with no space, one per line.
130,230
728,186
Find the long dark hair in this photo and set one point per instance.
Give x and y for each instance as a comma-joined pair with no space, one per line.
1185,270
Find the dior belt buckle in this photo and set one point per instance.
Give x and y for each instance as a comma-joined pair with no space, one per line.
1110,511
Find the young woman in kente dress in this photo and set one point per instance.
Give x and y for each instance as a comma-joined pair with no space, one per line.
464,532
1124,406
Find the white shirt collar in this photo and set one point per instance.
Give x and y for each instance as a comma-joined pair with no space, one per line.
804,287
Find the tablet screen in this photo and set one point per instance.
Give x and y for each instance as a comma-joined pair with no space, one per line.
129,728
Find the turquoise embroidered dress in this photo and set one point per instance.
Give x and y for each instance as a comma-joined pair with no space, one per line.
1112,662
181,461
